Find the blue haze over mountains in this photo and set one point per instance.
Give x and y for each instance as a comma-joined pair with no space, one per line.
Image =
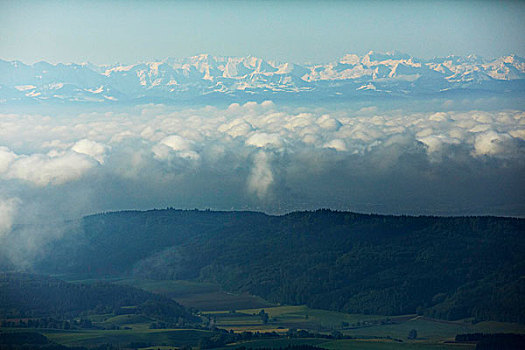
207,79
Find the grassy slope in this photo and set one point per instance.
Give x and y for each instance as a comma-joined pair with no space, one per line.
199,295
174,337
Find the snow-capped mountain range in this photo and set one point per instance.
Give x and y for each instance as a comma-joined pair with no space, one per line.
207,77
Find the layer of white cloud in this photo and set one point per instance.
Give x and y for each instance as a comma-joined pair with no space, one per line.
255,148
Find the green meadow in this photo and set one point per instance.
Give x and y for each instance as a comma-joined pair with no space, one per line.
198,295
167,337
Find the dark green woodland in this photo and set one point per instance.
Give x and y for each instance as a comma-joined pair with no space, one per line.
50,302
442,267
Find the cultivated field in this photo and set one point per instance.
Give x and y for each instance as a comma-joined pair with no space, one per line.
241,313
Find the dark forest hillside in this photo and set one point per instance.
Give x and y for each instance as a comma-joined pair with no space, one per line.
34,296
445,267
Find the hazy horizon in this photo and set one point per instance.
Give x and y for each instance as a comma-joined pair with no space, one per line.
302,32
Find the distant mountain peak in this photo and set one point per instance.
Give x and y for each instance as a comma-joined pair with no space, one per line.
391,73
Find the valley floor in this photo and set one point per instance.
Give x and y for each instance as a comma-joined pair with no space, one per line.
294,324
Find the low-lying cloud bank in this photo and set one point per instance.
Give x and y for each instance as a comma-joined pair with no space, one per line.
261,157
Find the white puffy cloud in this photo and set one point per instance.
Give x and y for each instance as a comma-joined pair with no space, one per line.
93,149
6,158
439,117
337,144
42,170
264,140
176,143
518,134
492,143
182,147
236,128
329,123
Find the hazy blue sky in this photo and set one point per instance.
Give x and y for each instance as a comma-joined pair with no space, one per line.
301,31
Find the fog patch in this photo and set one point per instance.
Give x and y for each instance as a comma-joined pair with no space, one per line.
8,209
261,176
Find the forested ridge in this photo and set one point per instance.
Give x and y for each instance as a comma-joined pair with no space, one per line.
24,295
444,267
